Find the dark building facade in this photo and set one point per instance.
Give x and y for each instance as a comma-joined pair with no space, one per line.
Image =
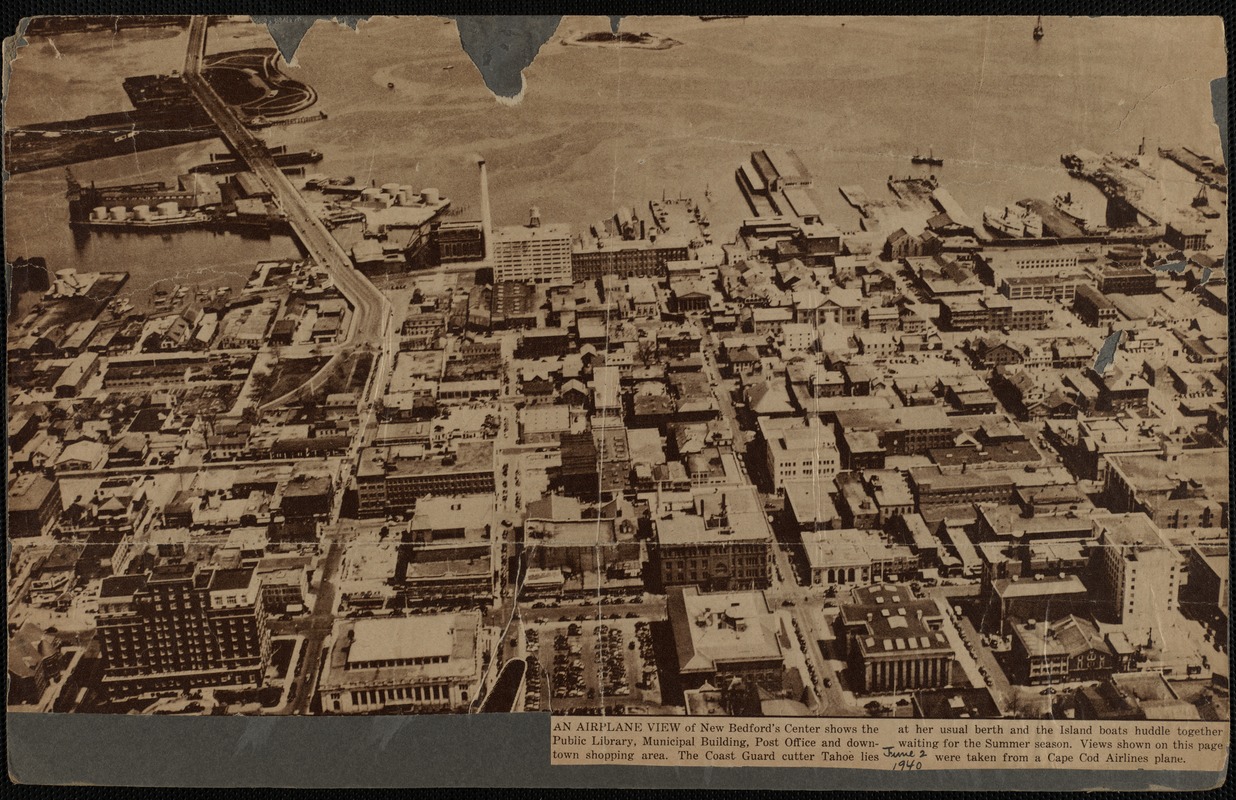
455,242
34,505
627,260
179,627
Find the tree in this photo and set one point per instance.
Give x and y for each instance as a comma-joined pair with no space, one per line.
647,351
262,382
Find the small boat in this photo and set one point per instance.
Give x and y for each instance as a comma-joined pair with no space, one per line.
930,158
1038,29
390,85
448,67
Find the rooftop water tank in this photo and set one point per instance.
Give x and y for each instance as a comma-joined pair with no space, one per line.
119,213
99,212
169,209
429,196
141,212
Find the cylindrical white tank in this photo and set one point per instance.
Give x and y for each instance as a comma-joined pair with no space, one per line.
403,198
169,209
429,196
369,193
390,188
99,212
119,213
141,212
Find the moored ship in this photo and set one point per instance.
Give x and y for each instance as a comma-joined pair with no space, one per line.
1072,209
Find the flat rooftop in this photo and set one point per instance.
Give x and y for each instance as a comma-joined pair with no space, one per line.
1151,472
471,456
721,627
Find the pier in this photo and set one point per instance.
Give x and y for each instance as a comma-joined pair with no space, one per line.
1124,184
1054,222
857,197
1204,167
263,122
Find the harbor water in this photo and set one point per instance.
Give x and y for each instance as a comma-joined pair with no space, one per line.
602,127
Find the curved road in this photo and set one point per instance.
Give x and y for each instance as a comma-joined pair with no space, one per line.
371,310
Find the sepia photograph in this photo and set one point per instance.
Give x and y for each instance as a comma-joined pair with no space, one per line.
814,373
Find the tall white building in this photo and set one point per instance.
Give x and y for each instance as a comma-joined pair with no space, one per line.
801,452
1141,569
533,253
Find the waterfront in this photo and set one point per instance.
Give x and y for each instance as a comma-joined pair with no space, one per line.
811,473
37,224
602,127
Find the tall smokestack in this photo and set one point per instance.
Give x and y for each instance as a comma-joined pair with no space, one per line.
487,228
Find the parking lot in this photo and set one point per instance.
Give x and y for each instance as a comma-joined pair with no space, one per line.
589,664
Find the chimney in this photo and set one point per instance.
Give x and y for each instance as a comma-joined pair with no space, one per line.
487,229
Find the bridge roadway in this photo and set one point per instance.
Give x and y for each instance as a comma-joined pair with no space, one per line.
371,318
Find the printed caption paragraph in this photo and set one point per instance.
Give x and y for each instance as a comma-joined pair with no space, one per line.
891,744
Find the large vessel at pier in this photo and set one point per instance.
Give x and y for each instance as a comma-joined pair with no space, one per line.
221,166
1014,221
1072,209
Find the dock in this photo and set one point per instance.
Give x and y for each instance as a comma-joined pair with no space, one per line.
1133,198
857,197
1204,167
260,122
753,191
913,190
943,200
1055,224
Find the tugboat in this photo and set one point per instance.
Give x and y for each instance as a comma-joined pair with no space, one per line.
930,159
390,85
1038,29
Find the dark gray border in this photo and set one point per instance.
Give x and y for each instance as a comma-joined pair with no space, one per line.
507,750
474,751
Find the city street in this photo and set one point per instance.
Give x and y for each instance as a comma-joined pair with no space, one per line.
315,628
371,320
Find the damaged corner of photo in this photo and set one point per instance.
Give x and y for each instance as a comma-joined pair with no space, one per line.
634,392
